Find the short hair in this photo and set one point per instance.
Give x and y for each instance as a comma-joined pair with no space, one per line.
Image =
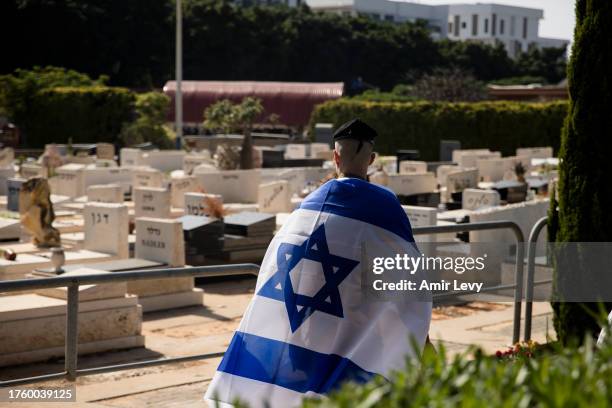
350,157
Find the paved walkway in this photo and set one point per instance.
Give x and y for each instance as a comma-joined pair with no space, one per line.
197,330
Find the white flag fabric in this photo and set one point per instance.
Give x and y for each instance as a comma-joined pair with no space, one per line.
308,328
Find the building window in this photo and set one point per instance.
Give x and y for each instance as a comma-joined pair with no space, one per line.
389,17
502,26
375,16
474,24
525,27
450,27
463,24
494,24
486,27
512,26
456,24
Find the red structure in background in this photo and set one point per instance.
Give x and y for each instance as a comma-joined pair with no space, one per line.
293,102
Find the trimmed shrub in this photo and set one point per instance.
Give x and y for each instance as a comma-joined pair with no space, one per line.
563,378
151,109
501,126
83,114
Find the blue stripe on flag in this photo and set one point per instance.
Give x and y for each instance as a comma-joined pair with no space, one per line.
289,366
363,201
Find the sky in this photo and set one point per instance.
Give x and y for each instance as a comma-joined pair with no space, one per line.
558,21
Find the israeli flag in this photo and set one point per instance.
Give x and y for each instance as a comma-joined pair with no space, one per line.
308,328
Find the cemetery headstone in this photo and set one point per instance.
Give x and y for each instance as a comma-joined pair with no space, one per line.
422,217
236,186
105,193
535,152
164,160
147,177
160,240
70,183
411,184
13,186
130,156
295,151
106,228
191,161
199,203
475,199
410,167
105,151
323,133
7,156
457,181
5,174
151,202
274,197
179,186
447,147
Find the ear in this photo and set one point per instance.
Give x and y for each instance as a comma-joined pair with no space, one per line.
372,157
336,158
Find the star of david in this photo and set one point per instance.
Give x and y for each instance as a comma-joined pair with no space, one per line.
327,299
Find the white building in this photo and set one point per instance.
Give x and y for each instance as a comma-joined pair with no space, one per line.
516,27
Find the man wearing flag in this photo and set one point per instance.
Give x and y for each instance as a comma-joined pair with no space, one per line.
309,327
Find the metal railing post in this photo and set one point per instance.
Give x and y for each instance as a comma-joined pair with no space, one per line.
72,331
531,250
520,253
518,280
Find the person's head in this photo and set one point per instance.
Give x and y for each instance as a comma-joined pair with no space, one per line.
353,150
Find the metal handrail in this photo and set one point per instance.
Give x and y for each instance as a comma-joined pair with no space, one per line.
72,311
489,225
531,250
73,283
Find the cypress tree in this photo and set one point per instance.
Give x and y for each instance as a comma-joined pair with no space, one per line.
585,187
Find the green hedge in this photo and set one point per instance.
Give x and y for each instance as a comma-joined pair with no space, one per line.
85,114
501,126
559,378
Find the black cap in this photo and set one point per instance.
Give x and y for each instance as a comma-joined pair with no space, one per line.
357,130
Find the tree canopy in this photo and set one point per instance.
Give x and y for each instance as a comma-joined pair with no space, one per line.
133,43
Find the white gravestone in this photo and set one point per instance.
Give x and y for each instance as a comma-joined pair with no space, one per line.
7,155
457,153
179,186
5,174
160,240
30,170
106,228
410,184
236,186
151,202
198,203
494,169
191,161
475,199
469,159
105,193
422,217
457,181
320,150
295,151
535,152
164,160
274,197
105,175
410,166
70,180
130,157
442,171
105,151
147,177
